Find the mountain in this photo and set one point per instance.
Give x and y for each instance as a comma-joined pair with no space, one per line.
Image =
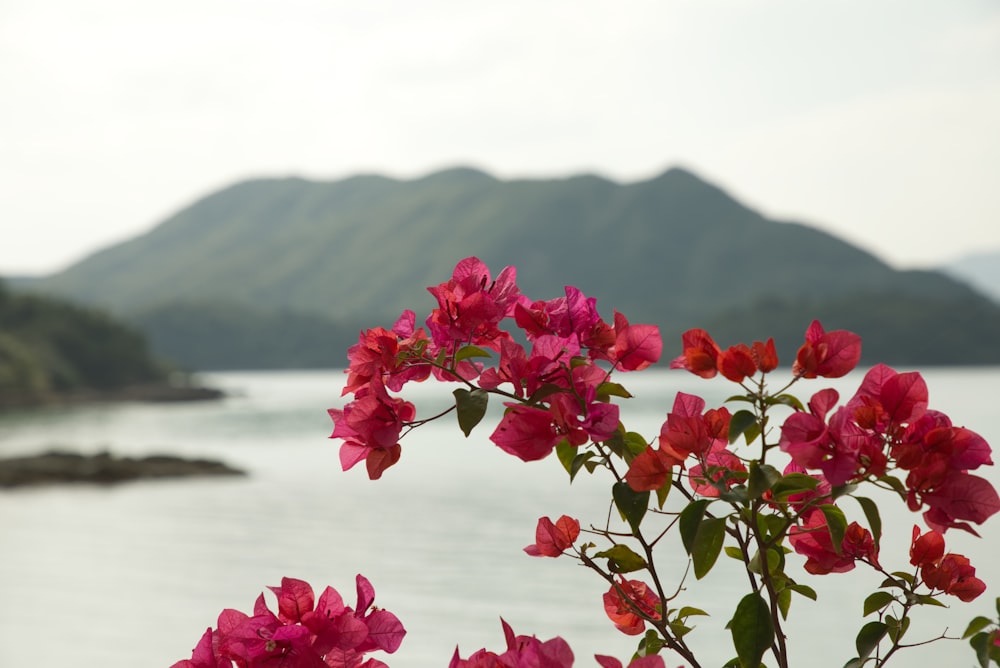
980,270
672,250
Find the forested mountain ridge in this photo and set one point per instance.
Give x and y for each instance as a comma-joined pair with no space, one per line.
672,250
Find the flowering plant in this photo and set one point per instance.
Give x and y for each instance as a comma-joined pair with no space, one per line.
730,482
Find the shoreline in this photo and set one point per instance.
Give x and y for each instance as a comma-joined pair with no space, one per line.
58,467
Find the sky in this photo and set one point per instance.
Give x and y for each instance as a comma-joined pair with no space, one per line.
875,121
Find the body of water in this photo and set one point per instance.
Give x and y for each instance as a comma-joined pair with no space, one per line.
132,575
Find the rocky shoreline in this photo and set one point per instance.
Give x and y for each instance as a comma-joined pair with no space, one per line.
151,392
103,468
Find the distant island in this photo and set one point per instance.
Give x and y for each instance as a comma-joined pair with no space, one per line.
53,351
103,468
284,272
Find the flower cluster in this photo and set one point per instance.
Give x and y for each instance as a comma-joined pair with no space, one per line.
305,633
528,651
887,424
554,377
557,383
948,573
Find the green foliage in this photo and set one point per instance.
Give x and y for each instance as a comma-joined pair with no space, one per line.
752,629
49,345
206,335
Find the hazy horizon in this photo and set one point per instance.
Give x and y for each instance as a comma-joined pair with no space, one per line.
875,123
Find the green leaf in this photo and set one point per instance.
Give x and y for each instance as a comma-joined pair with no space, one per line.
471,407
976,625
752,629
621,559
617,442
734,552
566,454
869,637
631,504
924,599
707,545
751,433
465,352
688,611
579,461
762,477
896,484
736,494
794,483
897,627
606,390
650,644
784,602
874,519
663,491
689,522
635,444
787,400
837,523
981,643
877,601
906,577
842,490
739,423
805,590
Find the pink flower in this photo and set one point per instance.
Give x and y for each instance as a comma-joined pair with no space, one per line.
471,304
812,539
384,354
522,651
827,354
623,602
329,635
700,356
203,656
552,539
370,427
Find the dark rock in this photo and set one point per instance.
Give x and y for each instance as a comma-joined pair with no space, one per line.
103,468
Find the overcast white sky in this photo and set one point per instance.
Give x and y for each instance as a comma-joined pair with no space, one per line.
877,121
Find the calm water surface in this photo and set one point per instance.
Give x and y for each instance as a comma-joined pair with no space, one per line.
130,576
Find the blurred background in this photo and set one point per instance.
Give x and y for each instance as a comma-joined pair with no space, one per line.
221,194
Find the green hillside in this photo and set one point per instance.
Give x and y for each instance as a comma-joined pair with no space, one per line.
672,250
51,348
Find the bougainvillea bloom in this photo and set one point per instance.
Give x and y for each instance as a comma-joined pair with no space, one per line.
551,539
700,356
370,427
636,346
764,355
471,304
623,601
812,539
689,432
827,354
329,635
737,363
383,353
718,468
203,656
526,432
522,651
953,575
